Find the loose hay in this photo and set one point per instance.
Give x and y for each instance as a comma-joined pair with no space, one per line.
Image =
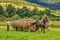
23,24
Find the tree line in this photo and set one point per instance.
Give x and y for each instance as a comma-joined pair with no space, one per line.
12,13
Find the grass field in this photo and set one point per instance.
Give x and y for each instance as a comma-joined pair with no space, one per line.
52,34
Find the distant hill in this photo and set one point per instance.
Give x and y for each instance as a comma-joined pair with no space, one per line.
49,1
40,4
51,4
21,3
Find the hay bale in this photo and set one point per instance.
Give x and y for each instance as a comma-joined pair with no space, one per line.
23,24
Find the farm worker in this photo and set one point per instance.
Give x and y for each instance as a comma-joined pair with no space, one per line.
45,21
8,25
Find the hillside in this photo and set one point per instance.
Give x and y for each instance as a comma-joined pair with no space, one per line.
33,3
31,7
49,1
51,4
20,4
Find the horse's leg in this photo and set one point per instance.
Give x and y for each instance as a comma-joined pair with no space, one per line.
16,28
41,28
44,30
46,26
7,27
34,27
29,29
37,27
21,28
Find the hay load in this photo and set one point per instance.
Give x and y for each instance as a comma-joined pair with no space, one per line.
24,24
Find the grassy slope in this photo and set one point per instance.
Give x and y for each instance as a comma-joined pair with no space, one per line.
21,3
56,12
49,1
31,7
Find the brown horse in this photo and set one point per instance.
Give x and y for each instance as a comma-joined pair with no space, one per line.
41,25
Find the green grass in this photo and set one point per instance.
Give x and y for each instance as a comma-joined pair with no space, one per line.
23,35
52,34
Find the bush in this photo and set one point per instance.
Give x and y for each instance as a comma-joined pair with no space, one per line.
35,17
16,17
2,18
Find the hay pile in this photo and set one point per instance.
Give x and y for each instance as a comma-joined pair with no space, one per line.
23,24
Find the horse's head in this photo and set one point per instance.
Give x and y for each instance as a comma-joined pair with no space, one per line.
37,24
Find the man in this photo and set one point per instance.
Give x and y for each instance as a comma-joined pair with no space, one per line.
8,25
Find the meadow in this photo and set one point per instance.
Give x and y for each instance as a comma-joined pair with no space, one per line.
52,34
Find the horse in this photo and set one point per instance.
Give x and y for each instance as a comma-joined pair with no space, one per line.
40,24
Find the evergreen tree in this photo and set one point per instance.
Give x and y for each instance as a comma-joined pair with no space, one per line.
1,10
11,10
